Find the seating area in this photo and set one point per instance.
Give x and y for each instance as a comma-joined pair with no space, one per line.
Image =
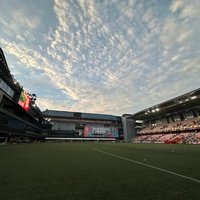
188,124
178,132
195,139
169,138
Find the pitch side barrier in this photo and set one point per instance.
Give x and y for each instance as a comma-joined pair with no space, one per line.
79,139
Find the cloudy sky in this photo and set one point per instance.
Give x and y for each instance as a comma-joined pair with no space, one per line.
102,56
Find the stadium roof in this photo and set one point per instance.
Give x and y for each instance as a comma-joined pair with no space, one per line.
6,75
4,68
67,114
175,105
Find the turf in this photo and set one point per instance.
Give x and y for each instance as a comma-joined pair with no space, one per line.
75,171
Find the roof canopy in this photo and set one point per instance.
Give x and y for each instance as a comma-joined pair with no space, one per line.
67,114
183,102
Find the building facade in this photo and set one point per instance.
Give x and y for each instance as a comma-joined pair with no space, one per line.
84,125
19,115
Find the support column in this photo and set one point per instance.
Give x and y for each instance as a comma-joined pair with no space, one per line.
128,127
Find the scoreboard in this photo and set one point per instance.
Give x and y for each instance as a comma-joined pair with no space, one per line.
94,130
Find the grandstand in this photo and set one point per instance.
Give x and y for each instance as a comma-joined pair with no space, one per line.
97,170
83,126
174,121
20,118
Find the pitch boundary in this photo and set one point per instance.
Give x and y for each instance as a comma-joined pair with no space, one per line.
147,165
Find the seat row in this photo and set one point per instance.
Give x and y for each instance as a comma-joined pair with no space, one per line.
169,138
188,124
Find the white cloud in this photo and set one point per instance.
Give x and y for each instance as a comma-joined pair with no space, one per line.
189,11
184,36
191,66
19,37
174,58
110,57
148,15
24,20
176,5
20,21
46,103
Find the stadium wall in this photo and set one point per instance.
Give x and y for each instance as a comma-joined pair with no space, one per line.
128,127
83,125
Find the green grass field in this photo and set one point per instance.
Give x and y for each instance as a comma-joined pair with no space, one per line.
84,171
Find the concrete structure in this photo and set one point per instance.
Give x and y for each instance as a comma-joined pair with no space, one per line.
16,122
85,125
128,127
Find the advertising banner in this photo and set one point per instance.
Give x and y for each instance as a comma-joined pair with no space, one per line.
94,130
24,100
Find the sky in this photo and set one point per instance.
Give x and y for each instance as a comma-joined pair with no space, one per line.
102,56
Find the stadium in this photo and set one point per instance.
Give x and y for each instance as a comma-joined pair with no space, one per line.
175,121
151,154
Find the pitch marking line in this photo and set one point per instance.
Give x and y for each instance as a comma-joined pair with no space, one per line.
146,165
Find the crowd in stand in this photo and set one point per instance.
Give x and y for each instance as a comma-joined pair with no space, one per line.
178,132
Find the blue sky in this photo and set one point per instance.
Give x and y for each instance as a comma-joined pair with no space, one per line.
102,56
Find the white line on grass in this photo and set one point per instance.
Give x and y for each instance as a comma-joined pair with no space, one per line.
146,165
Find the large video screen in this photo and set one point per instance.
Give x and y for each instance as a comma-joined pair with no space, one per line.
94,130
24,100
